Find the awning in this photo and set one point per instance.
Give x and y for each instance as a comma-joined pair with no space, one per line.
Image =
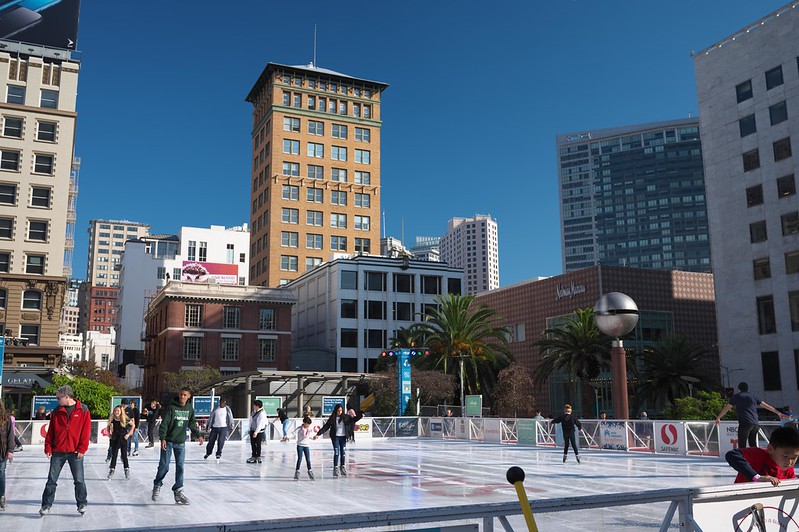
16,379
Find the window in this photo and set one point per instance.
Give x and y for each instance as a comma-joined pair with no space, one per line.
15,94
774,78
786,186
314,218
231,317
339,131
757,232
338,243
297,100
747,125
176,273
230,349
349,337
289,239
751,160
311,102
37,230
374,310
403,311
782,149
194,316
291,192
362,223
762,268
290,216
266,349
349,280
6,227
403,282
49,99
292,169
338,174
374,338
291,147
203,251
363,178
312,262
31,300
375,281
316,172
40,197
313,241
792,262
160,272
367,111
289,263
266,319
30,333
793,304
291,124
314,195
316,150
46,131
349,308
230,254
322,105
790,223
431,284
338,153
12,127
363,245
754,195
316,128
363,134
338,197
3,298
8,194
362,200
765,315
192,253
363,156
778,113
192,347
356,109
9,160
5,261
770,361
338,220
454,285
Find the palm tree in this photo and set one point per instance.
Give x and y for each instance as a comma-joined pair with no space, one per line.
407,337
460,331
669,370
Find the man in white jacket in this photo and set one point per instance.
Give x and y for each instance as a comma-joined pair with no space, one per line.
220,423
257,428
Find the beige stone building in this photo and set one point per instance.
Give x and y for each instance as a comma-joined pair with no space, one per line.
315,172
36,155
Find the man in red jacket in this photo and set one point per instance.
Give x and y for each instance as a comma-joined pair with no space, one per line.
67,440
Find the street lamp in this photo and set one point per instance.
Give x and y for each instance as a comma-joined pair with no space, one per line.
616,314
691,381
463,396
729,371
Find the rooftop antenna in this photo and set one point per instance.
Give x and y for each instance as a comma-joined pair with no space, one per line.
314,45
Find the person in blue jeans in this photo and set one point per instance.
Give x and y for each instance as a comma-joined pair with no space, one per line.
220,423
284,421
339,425
176,418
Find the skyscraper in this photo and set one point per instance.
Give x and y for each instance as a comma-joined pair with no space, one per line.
473,244
748,91
634,196
106,243
315,172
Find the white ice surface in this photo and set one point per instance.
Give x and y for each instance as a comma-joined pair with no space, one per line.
385,474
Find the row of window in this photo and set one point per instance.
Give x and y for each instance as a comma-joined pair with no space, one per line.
316,219
777,113
317,127
773,77
405,283
14,127
378,310
48,98
789,223
762,267
289,239
325,85
326,105
11,160
38,196
316,195
31,299
231,317
193,348
781,150
786,186
317,151
37,230
29,332
318,172
766,317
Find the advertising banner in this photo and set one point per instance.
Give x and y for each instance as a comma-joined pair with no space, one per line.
407,426
613,435
52,23
462,428
492,430
102,433
525,432
670,438
39,432
329,402
49,402
202,405
728,437
474,405
363,428
778,512
271,404
437,428
202,272
117,399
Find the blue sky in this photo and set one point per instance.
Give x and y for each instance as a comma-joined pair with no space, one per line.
478,91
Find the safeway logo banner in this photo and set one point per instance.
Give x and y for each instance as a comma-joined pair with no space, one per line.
670,438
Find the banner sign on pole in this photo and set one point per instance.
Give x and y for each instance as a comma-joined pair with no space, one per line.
271,404
404,385
329,402
525,431
49,402
134,399
474,406
670,438
202,404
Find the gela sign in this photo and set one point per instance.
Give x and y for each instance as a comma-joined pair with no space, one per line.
570,291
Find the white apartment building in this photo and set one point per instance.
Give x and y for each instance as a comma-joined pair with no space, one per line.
748,91
347,310
106,243
72,345
216,255
99,348
472,245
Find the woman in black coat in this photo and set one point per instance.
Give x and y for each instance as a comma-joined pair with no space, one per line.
339,424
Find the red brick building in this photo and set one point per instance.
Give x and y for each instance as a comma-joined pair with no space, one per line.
231,328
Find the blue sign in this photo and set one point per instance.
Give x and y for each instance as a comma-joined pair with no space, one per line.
404,384
202,405
49,402
329,402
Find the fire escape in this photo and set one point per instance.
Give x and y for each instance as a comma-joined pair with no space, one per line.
69,243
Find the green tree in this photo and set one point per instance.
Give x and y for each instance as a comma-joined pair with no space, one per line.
95,395
668,370
461,330
705,406
194,379
407,337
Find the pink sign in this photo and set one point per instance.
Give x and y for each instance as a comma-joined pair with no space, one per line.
202,272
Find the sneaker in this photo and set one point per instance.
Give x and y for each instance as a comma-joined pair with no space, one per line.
110,473
135,453
81,509
564,458
335,472
310,475
156,492
252,460
180,498
297,475
44,510
3,502
578,458
127,473
343,471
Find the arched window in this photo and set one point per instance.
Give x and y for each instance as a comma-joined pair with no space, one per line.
32,300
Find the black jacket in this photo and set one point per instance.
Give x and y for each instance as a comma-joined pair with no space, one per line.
569,422
349,424
6,439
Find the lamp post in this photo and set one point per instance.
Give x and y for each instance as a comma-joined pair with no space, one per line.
729,371
691,381
616,314
463,395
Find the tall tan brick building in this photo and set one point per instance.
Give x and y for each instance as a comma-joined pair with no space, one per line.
315,171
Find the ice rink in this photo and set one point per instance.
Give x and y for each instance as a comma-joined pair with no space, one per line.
385,474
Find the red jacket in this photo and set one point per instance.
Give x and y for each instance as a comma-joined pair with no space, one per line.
69,435
754,460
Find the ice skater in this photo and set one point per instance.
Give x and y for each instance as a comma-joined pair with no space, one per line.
177,417
220,423
303,440
151,413
284,421
338,424
133,414
120,429
7,451
12,415
568,422
257,428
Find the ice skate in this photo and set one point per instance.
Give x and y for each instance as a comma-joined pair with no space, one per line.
44,510
180,497
252,460
297,475
110,473
218,457
258,459
343,471
127,473
149,445
82,509
206,456
135,453
310,475
578,458
156,492
335,472
564,458
3,502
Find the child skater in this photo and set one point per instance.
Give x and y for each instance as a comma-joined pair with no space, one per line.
568,422
120,428
338,424
303,439
772,464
